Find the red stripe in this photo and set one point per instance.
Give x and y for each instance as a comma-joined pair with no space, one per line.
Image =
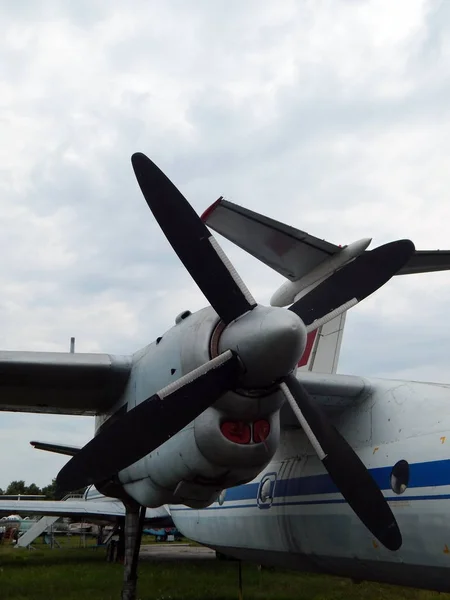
309,346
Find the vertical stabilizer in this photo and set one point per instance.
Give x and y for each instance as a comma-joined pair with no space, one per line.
323,347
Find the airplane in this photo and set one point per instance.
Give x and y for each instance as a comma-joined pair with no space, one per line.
92,506
236,420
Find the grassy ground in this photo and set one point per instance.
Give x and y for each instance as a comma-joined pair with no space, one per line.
73,573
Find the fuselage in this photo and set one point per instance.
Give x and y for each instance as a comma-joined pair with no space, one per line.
279,506
292,516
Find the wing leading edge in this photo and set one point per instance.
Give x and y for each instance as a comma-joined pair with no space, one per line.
289,251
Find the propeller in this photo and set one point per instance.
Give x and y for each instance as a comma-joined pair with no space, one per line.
253,336
197,249
150,424
352,283
344,466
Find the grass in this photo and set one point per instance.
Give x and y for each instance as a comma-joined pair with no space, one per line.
73,573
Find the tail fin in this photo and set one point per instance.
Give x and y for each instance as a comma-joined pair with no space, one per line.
323,347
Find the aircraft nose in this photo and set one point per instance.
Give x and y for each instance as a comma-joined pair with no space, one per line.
269,342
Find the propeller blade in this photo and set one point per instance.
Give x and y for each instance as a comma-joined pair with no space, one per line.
345,468
151,423
352,283
192,241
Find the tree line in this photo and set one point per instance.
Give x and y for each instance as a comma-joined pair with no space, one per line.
49,491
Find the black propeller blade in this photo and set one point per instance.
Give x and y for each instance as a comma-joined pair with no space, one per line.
347,471
193,242
151,423
355,280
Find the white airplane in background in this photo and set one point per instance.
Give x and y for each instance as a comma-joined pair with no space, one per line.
92,506
236,421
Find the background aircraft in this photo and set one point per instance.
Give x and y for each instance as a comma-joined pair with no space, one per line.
92,506
217,403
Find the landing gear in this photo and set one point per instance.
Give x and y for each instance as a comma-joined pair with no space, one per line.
240,592
115,542
134,522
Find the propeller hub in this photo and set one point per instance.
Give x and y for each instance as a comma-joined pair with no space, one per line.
269,341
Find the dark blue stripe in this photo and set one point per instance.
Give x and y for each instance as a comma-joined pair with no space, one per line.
342,501
426,474
313,502
242,492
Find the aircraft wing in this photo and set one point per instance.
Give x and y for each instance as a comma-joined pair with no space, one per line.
107,510
291,252
61,383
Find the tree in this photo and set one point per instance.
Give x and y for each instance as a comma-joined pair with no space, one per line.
16,487
50,490
33,489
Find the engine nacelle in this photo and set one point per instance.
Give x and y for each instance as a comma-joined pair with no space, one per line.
194,466
227,445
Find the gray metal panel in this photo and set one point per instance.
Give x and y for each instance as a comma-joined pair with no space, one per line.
291,252
427,261
325,354
334,393
61,383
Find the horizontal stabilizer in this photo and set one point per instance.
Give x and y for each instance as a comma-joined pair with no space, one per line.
291,252
427,261
57,448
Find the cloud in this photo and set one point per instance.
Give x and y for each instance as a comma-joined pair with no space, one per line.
334,119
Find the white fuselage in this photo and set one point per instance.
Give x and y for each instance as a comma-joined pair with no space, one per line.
298,520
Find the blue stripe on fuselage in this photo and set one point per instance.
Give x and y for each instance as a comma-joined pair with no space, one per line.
426,474
316,502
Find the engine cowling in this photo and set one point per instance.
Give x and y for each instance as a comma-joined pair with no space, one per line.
227,445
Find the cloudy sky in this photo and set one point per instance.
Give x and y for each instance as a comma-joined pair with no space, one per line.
332,116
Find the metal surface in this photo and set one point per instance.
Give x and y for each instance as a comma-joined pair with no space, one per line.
61,383
308,525
269,342
291,252
150,424
427,261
